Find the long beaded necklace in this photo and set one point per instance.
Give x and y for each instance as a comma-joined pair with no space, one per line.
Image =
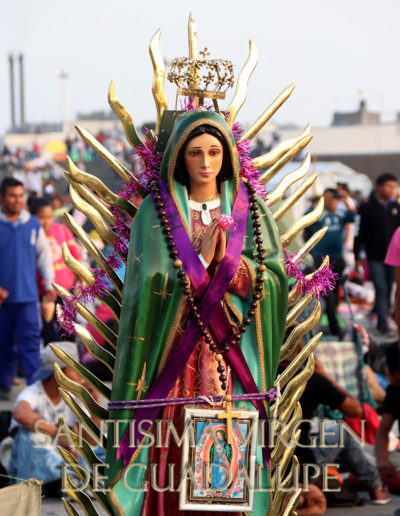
218,349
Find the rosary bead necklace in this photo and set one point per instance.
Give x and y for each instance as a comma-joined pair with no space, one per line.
219,349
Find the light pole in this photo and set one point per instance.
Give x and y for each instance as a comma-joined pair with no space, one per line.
12,89
22,87
63,76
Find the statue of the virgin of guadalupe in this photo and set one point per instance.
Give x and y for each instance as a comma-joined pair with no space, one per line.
234,278
203,307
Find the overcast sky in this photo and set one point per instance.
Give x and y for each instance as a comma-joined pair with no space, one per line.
330,49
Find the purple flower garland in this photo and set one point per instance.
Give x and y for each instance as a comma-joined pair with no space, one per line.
249,171
83,294
319,284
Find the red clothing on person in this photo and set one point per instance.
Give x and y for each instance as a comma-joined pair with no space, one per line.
104,314
56,236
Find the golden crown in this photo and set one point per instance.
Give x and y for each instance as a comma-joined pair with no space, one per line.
201,78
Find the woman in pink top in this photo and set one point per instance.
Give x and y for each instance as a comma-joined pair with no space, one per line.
393,258
56,235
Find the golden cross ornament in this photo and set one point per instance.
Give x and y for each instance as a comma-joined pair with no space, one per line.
229,415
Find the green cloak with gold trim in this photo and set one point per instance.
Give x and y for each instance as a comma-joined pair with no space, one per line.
153,302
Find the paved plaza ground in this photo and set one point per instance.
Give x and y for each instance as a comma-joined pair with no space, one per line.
54,507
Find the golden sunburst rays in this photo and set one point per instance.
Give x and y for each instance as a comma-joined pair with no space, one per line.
302,223
294,295
157,88
278,193
125,117
192,38
93,251
193,47
94,201
268,113
241,84
76,266
311,243
92,213
76,176
283,160
268,159
292,199
106,155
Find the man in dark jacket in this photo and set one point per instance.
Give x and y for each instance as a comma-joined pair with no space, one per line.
379,218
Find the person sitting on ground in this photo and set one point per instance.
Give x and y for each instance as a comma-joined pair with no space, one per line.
389,463
36,413
321,389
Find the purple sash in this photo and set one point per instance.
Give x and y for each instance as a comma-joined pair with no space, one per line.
200,279
210,309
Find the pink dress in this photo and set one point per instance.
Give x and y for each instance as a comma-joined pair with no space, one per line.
393,252
56,236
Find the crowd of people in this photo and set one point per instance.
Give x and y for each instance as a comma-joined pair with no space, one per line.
357,241
362,241
30,262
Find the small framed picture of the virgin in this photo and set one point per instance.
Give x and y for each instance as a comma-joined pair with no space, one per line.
218,460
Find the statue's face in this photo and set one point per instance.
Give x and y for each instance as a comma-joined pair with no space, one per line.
220,435
203,159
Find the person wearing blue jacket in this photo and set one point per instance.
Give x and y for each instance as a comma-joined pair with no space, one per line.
23,250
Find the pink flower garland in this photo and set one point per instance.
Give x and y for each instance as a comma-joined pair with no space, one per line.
250,172
320,282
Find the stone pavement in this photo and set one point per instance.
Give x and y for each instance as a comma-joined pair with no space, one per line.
54,507
367,509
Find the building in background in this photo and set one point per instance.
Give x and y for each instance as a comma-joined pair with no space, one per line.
360,140
360,117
